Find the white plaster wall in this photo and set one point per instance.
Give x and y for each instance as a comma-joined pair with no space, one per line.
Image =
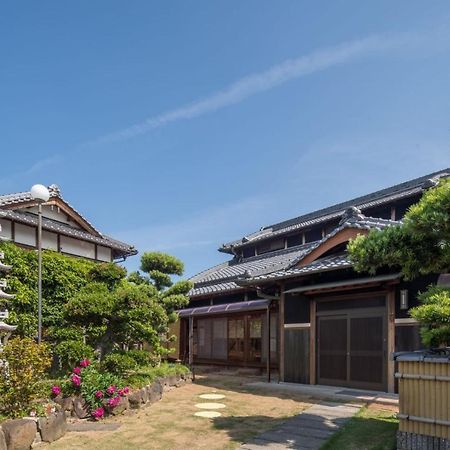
49,240
5,226
24,234
103,253
76,247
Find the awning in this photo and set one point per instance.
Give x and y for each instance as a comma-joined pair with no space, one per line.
344,283
251,305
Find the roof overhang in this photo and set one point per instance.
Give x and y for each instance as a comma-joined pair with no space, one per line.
335,285
227,308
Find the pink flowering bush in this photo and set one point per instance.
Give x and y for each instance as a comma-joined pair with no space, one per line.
99,394
97,388
98,413
56,390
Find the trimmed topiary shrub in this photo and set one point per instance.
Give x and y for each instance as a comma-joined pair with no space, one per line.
26,363
119,363
70,352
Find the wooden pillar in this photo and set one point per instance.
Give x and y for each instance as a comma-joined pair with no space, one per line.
268,343
390,344
281,334
312,342
191,342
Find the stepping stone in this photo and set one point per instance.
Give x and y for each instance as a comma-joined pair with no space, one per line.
212,396
208,414
210,405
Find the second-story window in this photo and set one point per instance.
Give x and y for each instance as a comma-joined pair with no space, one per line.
270,246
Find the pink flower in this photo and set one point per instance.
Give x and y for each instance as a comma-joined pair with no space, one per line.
76,380
85,362
99,394
126,390
98,413
113,402
110,390
56,390
76,370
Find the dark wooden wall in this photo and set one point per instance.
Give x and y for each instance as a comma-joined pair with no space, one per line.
296,359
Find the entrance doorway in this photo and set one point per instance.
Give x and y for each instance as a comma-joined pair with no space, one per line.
351,345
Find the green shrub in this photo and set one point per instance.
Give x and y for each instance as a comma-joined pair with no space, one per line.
145,376
71,352
119,363
141,357
27,362
434,316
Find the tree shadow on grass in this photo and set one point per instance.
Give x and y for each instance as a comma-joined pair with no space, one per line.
241,384
357,433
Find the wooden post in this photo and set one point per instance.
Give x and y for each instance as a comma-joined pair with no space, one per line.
390,300
281,334
191,342
312,342
268,342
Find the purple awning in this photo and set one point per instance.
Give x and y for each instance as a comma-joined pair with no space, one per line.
251,305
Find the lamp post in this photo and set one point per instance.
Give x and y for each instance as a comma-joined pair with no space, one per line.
40,193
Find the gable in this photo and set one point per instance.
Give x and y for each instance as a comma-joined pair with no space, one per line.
53,212
58,210
343,236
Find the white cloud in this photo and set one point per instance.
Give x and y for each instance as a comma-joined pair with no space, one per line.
269,79
36,168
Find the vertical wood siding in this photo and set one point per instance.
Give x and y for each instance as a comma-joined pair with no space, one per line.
296,361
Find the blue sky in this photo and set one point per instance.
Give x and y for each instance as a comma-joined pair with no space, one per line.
178,126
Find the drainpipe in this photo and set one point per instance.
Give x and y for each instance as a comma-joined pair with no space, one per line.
271,298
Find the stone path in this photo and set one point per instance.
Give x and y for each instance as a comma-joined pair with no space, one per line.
306,431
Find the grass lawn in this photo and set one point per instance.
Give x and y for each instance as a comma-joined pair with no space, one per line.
171,424
371,429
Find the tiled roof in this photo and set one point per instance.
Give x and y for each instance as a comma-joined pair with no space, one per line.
52,225
214,289
25,197
321,265
378,198
222,278
233,275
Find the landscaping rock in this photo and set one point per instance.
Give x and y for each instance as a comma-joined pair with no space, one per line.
80,408
144,395
2,440
123,405
155,391
135,399
52,427
19,433
67,404
172,380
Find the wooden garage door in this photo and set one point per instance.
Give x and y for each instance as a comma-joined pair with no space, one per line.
351,349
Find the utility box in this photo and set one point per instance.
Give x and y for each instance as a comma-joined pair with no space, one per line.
424,399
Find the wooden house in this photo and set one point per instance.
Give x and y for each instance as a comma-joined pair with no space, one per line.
289,300
65,230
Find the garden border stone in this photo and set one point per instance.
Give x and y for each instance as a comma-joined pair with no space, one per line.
22,434
19,433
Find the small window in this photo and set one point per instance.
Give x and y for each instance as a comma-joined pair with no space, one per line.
315,234
248,251
295,239
270,246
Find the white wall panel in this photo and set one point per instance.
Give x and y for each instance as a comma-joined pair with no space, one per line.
5,228
24,234
49,240
103,253
77,247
